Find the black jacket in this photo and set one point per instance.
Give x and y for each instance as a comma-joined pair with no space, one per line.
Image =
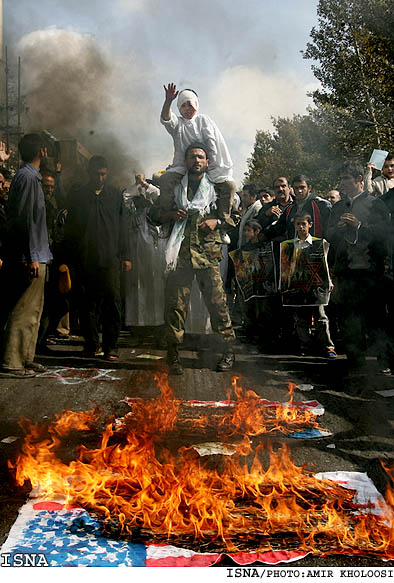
318,208
96,228
364,249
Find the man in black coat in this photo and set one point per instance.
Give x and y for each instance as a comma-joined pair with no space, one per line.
358,235
96,240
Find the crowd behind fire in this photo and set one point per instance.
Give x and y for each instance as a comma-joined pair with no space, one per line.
168,255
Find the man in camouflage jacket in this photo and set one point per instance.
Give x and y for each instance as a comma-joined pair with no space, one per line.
199,254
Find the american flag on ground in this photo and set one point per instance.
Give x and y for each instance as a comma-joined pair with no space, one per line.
71,537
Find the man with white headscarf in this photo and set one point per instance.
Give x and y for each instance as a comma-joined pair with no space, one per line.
194,250
189,128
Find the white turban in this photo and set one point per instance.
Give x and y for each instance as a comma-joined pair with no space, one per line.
187,95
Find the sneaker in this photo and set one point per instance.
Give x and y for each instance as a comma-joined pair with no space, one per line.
17,373
331,354
385,371
36,366
227,361
173,360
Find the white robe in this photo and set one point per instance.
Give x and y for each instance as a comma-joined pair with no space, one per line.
200,128
144,284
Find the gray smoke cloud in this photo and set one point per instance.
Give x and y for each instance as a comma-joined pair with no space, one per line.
70,86
106,87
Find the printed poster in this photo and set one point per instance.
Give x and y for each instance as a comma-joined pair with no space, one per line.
304,275
255,271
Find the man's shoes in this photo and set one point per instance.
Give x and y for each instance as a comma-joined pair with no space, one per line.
173,360
17,373
227,360
87,353
36,366
111,355
331,354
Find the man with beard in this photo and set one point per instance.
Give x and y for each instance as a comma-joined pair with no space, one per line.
358,235
271,211
304,201
26,254
96,239
194,250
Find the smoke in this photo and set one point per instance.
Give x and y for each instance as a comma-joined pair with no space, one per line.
245,99
75,88
110,98
65,77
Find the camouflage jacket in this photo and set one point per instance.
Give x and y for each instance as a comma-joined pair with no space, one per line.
202,248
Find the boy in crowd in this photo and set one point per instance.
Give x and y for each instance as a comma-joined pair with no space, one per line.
256,278
189,128
252,230
381,184
305,284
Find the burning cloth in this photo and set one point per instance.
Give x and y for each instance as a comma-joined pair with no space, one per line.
68,536
143,488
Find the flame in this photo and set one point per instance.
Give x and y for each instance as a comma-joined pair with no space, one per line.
249,418
132,481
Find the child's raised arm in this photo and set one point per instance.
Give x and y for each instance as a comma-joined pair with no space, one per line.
171,94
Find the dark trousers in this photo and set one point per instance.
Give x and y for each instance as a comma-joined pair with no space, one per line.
100,302
56,305
362,312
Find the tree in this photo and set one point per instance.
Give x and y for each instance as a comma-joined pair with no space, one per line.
353,46
297,146
353,51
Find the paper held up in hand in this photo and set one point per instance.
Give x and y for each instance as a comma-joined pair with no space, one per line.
378,158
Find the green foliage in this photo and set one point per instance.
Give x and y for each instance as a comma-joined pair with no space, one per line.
353,53
354,48
297,146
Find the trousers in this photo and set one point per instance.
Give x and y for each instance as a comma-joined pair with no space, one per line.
23,304
303,321
177,297
100,302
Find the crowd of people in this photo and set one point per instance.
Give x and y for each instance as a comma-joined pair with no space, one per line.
278,267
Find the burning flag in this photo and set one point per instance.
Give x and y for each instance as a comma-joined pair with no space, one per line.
141,490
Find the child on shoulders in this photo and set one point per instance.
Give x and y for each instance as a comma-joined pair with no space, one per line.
188,128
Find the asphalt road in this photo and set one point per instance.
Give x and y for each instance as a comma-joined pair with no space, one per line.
361,421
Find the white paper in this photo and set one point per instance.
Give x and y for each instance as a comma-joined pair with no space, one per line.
378,158
215,448
388,393
305,387
9,439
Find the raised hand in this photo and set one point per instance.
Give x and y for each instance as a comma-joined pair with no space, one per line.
171,92
3,154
